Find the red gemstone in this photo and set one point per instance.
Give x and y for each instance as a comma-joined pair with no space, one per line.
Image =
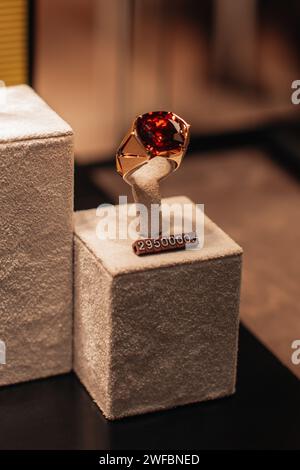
160,132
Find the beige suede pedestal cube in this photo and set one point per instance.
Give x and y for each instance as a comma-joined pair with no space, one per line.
36,200
158,331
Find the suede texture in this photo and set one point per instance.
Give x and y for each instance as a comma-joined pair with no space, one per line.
145,185
154,332
36,199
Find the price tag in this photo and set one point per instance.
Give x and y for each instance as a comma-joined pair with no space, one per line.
150,246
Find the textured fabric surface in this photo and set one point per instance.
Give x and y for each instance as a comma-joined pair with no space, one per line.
92,327
36,200
118,257
24,115
144,182
158,331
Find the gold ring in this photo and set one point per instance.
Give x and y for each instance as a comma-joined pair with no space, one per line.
158,133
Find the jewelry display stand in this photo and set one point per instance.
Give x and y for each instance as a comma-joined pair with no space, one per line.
158,331
144,183
36,199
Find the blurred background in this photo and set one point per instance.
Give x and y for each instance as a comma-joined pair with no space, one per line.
223,65
226,67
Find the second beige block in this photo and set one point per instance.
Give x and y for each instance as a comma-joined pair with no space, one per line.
159,331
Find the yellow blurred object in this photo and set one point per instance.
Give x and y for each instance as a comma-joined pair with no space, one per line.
13,41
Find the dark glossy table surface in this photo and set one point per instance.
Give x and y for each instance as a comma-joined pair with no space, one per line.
57,413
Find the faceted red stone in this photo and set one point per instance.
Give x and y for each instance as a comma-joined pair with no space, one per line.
160,132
